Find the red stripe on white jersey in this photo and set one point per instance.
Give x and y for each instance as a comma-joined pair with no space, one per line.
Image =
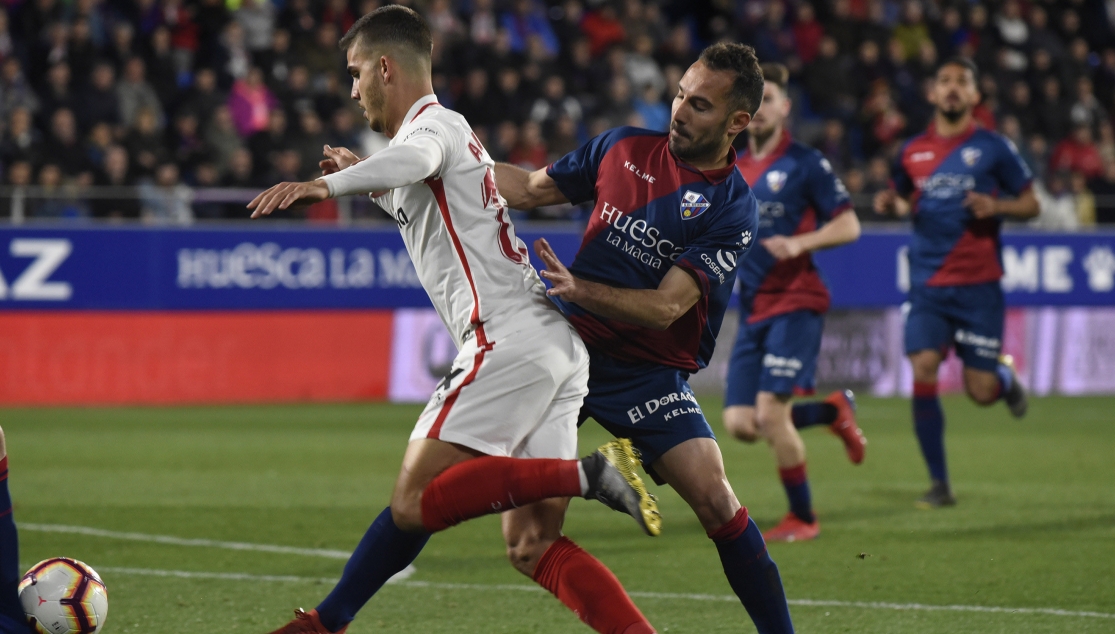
435,429
438,189
423,109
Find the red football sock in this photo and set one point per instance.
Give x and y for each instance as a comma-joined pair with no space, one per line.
490,484
587,587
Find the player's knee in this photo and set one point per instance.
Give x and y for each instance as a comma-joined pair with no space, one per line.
526,548
982,394
407,512
741,425
715,506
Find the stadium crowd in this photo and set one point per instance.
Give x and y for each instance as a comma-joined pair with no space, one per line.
162,97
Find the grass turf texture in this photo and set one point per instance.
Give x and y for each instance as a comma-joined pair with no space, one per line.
1034,526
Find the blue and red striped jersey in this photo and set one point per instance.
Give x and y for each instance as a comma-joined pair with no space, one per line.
797,193
653,212
950,246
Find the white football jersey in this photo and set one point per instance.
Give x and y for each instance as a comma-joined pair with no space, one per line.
457,228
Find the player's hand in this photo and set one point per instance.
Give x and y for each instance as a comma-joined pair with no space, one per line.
563,284
885,202
336,159
783,247
287,195
981,205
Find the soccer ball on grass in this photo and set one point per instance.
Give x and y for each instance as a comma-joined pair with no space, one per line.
64,596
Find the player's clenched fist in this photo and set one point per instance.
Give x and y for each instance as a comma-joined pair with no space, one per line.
287,195
889,203
981,205
336,159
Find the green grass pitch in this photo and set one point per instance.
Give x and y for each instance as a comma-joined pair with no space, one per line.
1035,526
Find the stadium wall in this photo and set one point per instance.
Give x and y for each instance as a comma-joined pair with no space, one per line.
96,315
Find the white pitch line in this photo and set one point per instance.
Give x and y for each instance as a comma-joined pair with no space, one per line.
867,605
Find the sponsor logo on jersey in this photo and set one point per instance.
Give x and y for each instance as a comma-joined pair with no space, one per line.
686,401
637,238
970,155
918,157
987,347
693,204
776,180
638,172
782,366
946,185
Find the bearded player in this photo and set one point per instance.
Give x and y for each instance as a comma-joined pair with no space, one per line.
958,181
500,430
647,291
803,207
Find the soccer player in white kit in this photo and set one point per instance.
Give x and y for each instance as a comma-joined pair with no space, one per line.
500,430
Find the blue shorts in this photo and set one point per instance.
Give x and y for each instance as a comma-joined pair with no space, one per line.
651,404
969,318
777,355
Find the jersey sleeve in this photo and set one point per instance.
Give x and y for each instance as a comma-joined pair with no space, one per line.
575,173
420,155
826,191
1011,171
899,178
713,257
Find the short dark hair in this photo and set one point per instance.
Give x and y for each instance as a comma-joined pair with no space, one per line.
747,90
962,62
390,25
776,74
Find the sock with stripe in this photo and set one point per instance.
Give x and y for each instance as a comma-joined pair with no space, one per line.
589,589
929,425
752,574
796,483
1006,379
811,414
492,484
9,554
384,551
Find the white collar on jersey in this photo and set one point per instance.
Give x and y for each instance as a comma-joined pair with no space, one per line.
418,106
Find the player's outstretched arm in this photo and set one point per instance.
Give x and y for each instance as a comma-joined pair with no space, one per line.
655,308
527,190
842,229
984,206
287,195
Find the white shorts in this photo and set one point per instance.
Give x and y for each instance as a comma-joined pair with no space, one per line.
517,395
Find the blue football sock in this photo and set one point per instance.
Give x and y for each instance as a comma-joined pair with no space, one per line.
9,554
752,574
810,414
796,484
929,425
1006,379
384,551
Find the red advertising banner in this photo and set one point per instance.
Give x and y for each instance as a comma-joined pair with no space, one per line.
93,358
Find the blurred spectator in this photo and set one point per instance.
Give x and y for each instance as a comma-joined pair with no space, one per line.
1077,153
133,92
165,200
266,144
63,147
654,113
1057,205
257,19
476,104
21,141
530,152
331,97
677,50
240,175
221,139
564,138
640,67
230,55
603,28
527,19
14,205
807,33
343,131
296,96
276,60
1052,113
187,149
337,13
309,142
619,107
15,92
1083,200
1104,190
912,31
250,103
162,72
53,201
99,102
507,137
114,173
511,103
482,23
1042,38
828,84
206,176
57,93
554,103
320,56
204,96
834,145
100,138
1086,109
144,143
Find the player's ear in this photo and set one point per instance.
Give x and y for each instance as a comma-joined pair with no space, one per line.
738,121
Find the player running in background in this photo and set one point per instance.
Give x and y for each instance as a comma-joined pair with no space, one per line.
647,291
803,207
500,430
950,180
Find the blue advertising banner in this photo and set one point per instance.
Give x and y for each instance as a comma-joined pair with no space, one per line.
237,268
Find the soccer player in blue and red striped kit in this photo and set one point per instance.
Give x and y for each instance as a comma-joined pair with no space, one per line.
672,217
12,618
803,207
957,181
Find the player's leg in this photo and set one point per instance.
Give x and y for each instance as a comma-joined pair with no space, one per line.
789,454
928,335
838,412
695,468
536,548
988,375
12,619
742,386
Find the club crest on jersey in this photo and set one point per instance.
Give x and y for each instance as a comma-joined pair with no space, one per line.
693,205
776,180
970,155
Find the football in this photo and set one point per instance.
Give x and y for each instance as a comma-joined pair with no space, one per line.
64,596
